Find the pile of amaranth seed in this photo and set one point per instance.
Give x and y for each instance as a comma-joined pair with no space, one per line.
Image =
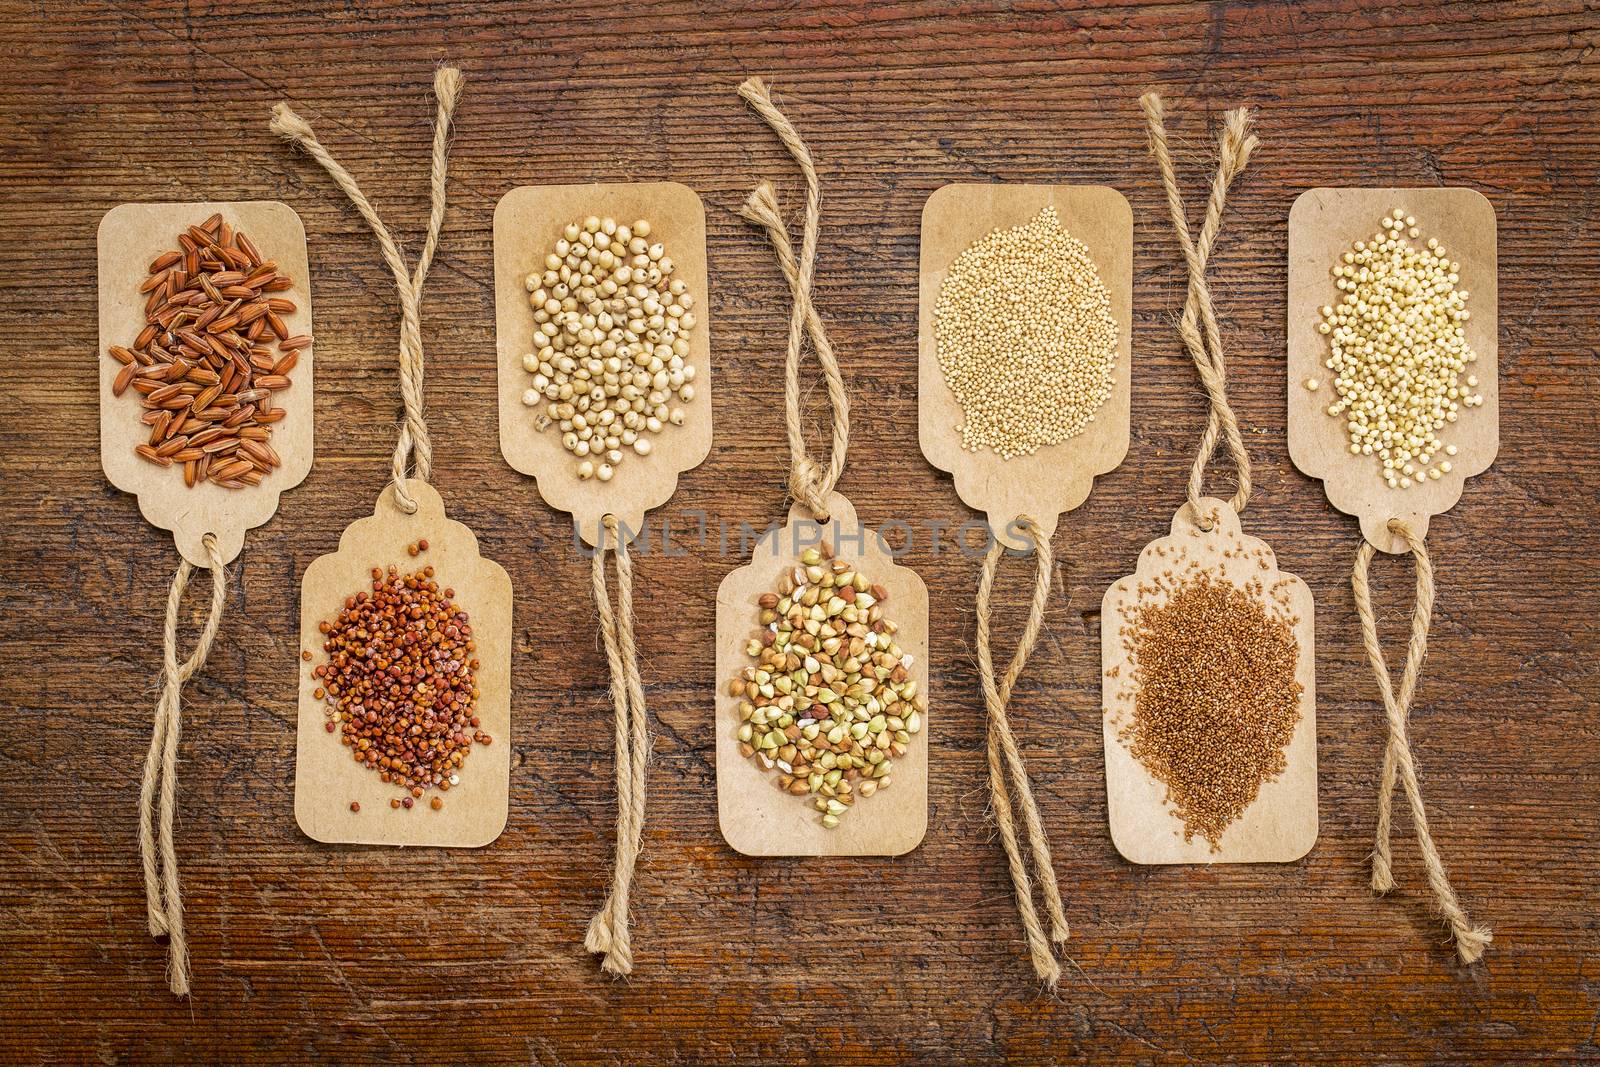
1215,698
1026,338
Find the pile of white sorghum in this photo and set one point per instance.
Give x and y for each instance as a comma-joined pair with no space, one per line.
611,343
1025,337
829,702
1398,349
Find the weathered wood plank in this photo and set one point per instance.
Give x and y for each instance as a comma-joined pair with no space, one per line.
303,951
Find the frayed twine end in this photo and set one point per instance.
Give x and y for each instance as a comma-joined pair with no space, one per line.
447,86
286,124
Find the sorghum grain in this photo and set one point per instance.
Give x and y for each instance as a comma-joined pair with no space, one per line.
610,343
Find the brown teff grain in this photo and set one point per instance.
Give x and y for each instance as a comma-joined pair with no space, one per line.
401,680
1215,698
204,361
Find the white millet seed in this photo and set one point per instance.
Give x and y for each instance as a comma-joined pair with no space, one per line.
611,338
1398,348
1025,337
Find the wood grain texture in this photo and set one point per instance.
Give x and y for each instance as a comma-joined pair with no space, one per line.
306,952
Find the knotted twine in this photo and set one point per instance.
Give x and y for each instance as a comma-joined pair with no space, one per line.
1470,940
1004,756
809,483
1234,146
608,934
414,449
163,898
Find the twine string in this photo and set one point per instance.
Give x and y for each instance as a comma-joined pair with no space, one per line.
1005,757
809,482
163,894
608,933
1198,323
414,449
1398,760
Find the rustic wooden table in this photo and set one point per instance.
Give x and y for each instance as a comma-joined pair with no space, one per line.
305,952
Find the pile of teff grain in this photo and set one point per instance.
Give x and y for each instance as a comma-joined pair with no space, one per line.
1215,696
204,363
829,703
400,682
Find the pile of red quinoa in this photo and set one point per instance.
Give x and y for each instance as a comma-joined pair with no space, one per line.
400,682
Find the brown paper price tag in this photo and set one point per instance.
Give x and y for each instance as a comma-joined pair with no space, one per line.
756,816
807,643
327,779
416,721
1023,496
184,344
605,399
528,222
1208,649
1323,226
1056,478
131,237
1424,406
1281,823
